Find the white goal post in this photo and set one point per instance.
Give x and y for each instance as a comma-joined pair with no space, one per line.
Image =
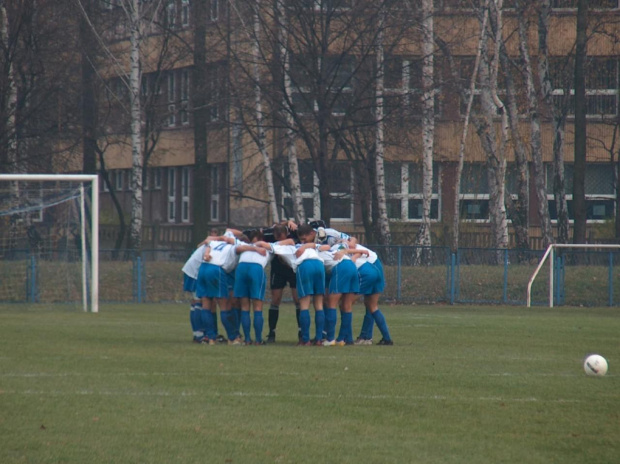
93,180
550,254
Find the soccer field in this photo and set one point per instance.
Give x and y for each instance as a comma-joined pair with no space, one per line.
462,384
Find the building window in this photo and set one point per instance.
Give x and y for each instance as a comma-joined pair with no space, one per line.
171,87
341,191
185,12
185,194
172,116
600,193
592,4
184,114
184,85
215,194
171,13
214,10
474,192
309,190
172,194
403,186
156,175
214,91
103,184
601,86
339,74
119,180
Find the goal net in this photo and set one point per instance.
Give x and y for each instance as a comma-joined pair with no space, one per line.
578,274
49,239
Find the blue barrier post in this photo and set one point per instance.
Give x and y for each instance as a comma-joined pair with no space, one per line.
137,279
610,275
505,292
32,294
398,274
452,286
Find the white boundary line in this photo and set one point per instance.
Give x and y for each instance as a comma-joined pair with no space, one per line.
238,394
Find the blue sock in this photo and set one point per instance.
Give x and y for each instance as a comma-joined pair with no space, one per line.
342,329
331,318
304,323
380,320
346,326
194,318
246,324
367,326
215,328
228,324
259,321
207,323
238,315
234,324
319,324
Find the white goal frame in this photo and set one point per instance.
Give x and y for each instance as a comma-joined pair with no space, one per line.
551,252
93,179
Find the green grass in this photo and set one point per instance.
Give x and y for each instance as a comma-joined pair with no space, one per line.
462,385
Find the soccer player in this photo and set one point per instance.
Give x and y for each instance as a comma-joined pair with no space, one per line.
310,285
310,280
214,279
250,283
223,251
190,274
372,284
281,274
343,285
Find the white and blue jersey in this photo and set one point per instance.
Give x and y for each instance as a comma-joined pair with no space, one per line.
190,269
333,236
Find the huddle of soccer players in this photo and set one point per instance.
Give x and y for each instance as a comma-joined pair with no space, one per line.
321,265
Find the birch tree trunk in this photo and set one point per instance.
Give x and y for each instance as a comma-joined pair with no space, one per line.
11,105
497,164
423,237
470,99
535,124
383,223
10,125
135,77
519,210
289,133
258,116
496,160
579,177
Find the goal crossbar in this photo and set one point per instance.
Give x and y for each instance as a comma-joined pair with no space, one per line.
551,252
94,180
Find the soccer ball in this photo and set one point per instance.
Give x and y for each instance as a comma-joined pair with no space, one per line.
595,365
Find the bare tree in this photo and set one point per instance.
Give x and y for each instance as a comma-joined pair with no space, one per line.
423,236
579,177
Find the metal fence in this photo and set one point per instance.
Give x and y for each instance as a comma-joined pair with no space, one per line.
413,275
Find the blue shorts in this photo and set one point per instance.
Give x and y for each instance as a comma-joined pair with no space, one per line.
344,278
250,281
189,283
370,279
310,278
212,282
230,281
379,265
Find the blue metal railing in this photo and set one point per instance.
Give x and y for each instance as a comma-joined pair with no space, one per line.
413,274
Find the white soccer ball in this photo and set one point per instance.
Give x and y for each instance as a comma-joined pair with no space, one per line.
595,365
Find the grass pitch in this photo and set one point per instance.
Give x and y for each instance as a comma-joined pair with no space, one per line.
461,385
